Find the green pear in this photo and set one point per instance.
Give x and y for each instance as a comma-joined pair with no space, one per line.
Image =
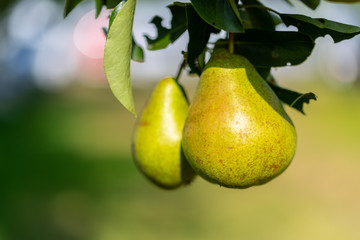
237,133
157,137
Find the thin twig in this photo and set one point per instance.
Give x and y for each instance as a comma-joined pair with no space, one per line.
182,66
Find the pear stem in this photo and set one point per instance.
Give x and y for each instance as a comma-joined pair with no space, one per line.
231,42
182,66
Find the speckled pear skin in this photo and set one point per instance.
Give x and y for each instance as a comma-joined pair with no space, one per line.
157,137
237,133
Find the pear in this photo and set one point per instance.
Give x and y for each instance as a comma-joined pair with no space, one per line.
157,137
237,133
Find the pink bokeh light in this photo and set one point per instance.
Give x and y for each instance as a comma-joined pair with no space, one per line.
89,37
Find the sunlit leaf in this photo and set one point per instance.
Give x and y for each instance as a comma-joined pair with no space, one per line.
137,53
115,13
118,54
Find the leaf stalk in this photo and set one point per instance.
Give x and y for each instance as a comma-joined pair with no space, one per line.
231,42
182,66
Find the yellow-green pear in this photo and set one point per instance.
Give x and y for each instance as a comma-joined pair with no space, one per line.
157,137
237,133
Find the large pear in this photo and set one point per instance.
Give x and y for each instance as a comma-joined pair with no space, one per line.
157,137
237,133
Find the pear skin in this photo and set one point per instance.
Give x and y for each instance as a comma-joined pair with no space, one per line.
157,137
237,133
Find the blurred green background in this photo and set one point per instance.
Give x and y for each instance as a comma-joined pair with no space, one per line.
66,171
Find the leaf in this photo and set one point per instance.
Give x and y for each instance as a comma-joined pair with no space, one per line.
317,27
166,36
118,53
270,48
260,18
98,6
70,5
344,1
137,53
105,31
276,19
112,3
201,59
115,12
234,6
245,19
313,4
293,99
199,33
288,2
220,14
264,72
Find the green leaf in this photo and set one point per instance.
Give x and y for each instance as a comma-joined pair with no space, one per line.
273,49
105,31
260,18
201,59
98,6
344,1
245,19
70,5
115,13
112,3
166,36
293,99
234,6
118,54
288,2
317,27
264,72
220,14
313,4
199,33
276,18
137,53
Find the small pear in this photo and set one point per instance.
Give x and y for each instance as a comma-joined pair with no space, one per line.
237,133
157,137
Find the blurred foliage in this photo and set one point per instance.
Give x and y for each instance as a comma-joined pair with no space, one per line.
7,4
66,173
